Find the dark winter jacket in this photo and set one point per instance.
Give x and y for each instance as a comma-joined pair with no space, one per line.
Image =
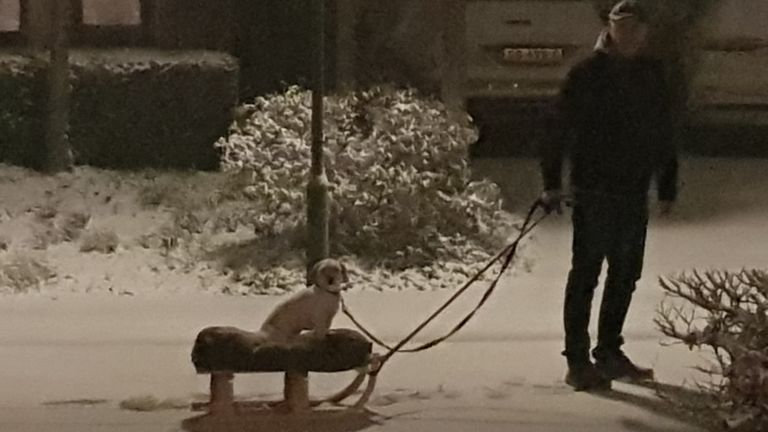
614,120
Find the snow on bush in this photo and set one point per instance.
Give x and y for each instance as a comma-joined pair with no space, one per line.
727,314
397,163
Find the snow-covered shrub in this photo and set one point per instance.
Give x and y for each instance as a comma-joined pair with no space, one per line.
727,314
397,163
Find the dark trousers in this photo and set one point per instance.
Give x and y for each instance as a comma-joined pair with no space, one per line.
611,229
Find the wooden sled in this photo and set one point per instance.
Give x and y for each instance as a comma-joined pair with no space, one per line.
223,352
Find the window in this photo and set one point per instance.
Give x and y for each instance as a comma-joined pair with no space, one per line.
111,23
10,16
111,12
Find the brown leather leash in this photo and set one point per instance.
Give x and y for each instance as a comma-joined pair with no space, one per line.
506,256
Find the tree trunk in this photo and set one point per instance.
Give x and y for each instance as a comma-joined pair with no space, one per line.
59,152
36,23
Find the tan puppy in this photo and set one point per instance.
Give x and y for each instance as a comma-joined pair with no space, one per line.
311,309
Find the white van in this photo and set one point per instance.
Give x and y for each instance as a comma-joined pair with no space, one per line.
519,52
731,83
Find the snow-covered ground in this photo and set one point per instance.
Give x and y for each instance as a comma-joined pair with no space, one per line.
503,372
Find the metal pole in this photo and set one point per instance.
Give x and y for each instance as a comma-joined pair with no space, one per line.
317,186
58,149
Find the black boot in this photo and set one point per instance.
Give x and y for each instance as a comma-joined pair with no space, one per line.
617,366
586,377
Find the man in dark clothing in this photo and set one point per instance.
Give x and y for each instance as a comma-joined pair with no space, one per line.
615,120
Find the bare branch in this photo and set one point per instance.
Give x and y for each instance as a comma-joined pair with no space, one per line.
727,312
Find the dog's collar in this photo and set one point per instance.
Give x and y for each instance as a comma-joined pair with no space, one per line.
336,293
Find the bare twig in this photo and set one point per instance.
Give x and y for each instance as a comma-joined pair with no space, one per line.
727,312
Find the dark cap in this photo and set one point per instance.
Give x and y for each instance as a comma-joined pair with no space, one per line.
628,9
